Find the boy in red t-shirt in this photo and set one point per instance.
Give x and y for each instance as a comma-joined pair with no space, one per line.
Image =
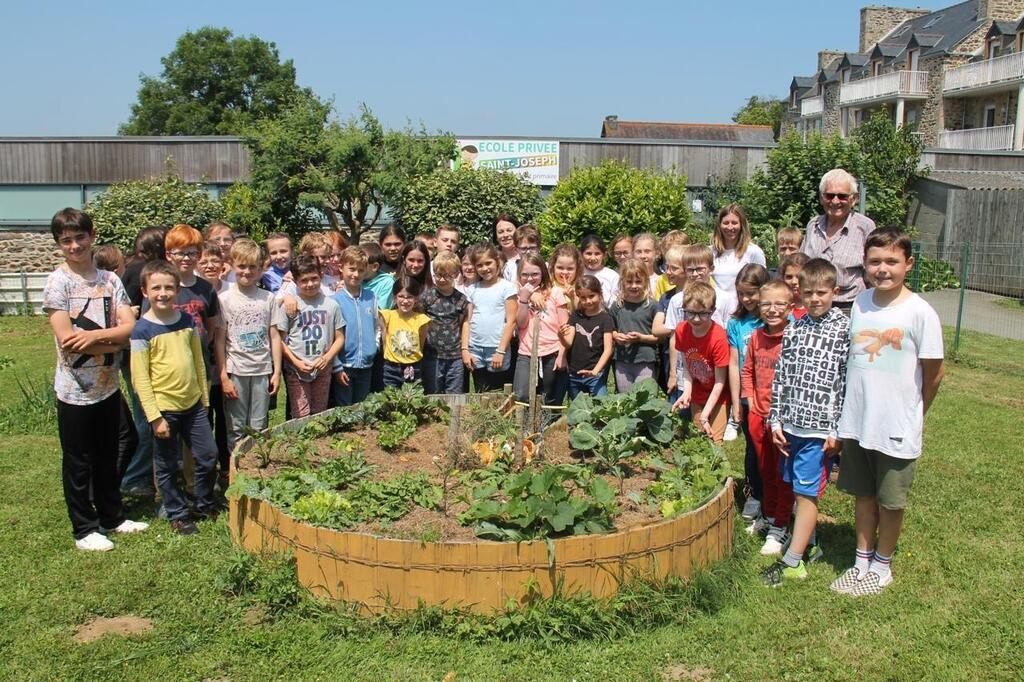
704,348
776,302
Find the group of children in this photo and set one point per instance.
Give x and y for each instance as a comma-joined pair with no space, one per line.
221,320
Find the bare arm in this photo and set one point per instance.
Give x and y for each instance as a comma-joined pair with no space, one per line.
932,372
275,353
734,382
467,359
95,341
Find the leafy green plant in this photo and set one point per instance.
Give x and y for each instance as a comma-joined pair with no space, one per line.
556,500
393,433
324,508
611,198
465,197
393,498
119,212
933,274
617,427
35,409
696,471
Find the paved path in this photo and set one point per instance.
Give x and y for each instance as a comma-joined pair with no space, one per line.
982,312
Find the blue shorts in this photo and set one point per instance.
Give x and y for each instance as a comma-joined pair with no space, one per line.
806,467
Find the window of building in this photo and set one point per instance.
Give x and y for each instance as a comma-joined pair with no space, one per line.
993,49
876,68
934,20
37,202
792,98
913,58
989,119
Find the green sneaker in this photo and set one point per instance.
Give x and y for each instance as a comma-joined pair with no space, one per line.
814,553
774,575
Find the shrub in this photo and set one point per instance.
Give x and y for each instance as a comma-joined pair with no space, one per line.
467,198
612,198
126,207
881,156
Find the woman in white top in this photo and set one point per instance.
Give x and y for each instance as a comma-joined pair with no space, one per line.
732,248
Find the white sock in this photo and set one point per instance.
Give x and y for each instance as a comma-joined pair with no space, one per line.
881,565
863,560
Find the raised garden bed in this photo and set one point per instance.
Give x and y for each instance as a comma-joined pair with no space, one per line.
406,499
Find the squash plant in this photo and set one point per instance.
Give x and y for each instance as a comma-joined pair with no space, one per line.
557,500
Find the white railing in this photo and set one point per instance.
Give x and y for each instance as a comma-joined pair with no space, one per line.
897,83
994,138
1007,68
812,106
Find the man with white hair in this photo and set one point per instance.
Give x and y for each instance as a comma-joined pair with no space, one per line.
838,235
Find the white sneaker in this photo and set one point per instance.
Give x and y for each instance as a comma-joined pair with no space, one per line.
772,546
751,509
94,542
129,526
731,430
759,525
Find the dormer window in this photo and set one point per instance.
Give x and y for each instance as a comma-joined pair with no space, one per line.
793,98
992,50
876,68
913,58
845,75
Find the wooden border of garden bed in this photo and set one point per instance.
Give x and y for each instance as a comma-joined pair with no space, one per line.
379,572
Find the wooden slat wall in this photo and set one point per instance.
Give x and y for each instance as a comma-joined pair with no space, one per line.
226,160
973,161
991,222
58,162
697,162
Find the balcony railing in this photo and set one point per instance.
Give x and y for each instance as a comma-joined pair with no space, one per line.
895,84
1006,69
994,138
812,106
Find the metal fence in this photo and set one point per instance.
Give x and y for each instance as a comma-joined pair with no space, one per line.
974,287
21,293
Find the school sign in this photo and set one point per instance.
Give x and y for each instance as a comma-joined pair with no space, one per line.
536,160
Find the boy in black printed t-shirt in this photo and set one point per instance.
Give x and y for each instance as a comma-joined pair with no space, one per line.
446,307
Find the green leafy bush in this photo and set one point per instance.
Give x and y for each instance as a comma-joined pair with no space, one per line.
884,158
126,207
469,199
612,198
933,274
395,431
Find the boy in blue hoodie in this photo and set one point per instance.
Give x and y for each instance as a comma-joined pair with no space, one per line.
353,367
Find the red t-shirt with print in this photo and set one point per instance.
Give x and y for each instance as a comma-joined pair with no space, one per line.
702,354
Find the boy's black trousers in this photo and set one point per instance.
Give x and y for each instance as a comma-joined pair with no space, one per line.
89,442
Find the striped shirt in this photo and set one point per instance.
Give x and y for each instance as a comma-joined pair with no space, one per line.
845,250
168,371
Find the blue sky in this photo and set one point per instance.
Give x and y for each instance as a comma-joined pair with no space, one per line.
473,68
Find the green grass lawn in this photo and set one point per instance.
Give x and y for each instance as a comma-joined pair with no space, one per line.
953,612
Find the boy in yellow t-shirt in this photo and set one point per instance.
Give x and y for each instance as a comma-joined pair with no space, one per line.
404,334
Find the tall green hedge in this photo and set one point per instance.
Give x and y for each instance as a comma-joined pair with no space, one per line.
469,199
612,198
126,207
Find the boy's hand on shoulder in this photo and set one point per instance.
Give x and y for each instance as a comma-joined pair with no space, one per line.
290,305
161,429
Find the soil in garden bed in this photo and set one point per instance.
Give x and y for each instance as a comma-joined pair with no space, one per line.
417,455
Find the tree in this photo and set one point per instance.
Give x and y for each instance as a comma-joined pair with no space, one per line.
212,84
883,157
126,207
762,111
612,198
305,159
467,198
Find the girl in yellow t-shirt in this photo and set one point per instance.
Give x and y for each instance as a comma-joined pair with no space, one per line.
404,334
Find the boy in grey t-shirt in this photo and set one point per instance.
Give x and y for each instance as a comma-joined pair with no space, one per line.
312,337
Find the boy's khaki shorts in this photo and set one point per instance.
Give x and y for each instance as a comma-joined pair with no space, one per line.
869,473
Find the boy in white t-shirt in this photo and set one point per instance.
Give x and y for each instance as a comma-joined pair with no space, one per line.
892,377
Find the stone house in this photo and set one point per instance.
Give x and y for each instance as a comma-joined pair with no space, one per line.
955,74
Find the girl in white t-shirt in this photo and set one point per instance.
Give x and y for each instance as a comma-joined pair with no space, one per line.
732,248
492,319
594,254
